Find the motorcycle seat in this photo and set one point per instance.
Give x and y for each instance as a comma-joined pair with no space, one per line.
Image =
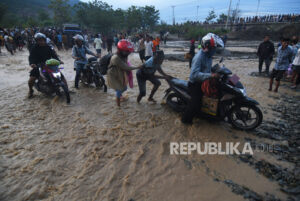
92,59
180,83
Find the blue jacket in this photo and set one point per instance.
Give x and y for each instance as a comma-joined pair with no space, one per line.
201,67
284,58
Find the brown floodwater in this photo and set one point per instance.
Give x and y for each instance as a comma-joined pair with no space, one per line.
92,150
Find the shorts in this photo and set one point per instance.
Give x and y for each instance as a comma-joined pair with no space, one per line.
277,74
119,93
296,69
98,51
35,72
142,78
142,54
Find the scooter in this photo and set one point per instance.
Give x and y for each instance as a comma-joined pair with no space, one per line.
50,81
92,74
231,102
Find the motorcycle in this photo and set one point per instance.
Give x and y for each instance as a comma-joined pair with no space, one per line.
50,81
231,102
91,74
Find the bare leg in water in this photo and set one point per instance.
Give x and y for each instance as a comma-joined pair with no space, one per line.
154,89
30,85
277,86
271,84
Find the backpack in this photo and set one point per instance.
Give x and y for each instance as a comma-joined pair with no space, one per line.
104,62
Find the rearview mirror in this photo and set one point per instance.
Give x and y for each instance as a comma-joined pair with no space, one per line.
221,60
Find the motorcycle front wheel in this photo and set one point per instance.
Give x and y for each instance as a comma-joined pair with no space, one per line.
67,93
98,82
245,117
176,102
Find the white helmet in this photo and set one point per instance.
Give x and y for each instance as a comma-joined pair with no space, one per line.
39,35
78,37
212,40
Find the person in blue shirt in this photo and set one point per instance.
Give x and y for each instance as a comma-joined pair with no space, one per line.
147,72
59,41
200,71
79,52
284,58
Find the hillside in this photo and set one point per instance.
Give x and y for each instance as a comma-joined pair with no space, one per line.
28,7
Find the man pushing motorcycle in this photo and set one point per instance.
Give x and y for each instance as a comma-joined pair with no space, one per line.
79,52
39,54
200,71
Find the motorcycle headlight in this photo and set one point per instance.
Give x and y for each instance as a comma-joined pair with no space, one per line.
243,92
56,75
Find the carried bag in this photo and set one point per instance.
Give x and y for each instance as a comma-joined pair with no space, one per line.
104,63
187,56
210,88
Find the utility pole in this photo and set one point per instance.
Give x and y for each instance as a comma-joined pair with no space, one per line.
228,15
197,13
257,7
173,15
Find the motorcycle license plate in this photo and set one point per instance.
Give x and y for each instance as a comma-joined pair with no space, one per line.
209,105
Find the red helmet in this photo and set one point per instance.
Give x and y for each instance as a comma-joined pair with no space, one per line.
125,46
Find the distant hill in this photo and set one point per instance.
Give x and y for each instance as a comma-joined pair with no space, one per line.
29,7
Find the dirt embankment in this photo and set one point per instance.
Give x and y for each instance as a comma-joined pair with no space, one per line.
258,32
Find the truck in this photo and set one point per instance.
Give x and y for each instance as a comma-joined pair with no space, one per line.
71,28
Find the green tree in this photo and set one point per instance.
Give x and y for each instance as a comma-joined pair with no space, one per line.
43,15
211,16
3,9
61,10
101,17
222,18
150,16
134,17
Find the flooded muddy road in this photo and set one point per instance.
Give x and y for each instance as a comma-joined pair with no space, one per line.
92,150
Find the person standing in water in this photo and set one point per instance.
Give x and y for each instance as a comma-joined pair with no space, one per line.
118,67
284,58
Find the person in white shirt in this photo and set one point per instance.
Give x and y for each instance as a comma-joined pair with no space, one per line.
148,48
98,44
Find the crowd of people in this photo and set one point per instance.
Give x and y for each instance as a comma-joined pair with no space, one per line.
265,19
281,18
287,61
41,42
17,38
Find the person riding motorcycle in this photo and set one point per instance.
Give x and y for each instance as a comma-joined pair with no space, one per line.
39,54
200,71
79,52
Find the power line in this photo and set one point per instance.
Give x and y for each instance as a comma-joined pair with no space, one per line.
257,7
228,15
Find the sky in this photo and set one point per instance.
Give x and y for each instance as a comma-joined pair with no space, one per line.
187,9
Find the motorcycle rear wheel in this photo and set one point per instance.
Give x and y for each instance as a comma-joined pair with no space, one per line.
176,102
